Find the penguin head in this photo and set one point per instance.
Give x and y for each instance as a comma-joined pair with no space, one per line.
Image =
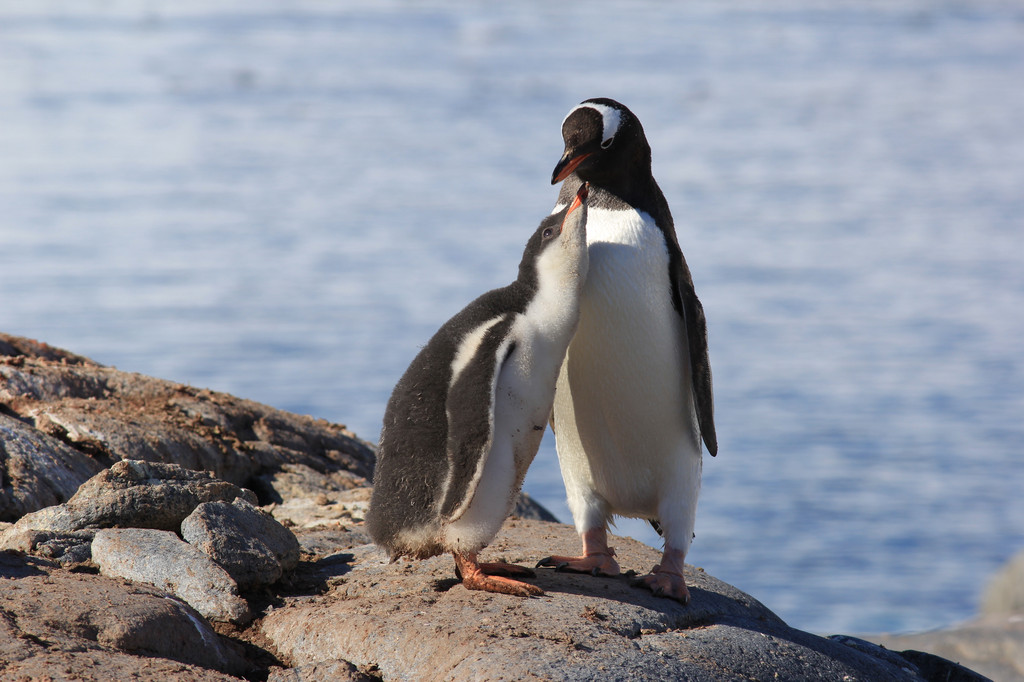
603,140
556,254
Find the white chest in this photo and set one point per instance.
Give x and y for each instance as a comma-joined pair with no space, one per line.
628,278
622,408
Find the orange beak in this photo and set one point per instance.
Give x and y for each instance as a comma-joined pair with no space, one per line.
565,167
581,196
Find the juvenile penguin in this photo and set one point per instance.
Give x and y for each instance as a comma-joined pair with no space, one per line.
466,418
633,397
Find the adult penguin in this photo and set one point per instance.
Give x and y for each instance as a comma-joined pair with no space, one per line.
634,396
466,418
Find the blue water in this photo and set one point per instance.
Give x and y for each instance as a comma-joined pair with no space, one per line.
283,201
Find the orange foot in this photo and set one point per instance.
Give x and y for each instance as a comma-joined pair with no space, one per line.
598,558
665,583
492,577
602,564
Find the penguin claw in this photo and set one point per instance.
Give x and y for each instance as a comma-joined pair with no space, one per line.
595,564
557,563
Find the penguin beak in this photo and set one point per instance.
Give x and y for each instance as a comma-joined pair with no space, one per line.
567,165
581,196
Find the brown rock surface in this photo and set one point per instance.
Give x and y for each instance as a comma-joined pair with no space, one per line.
109,415
38,470
133,494
327,671
81,626
413,620
64,417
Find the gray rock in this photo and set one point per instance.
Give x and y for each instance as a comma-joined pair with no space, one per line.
929,666
529,508
326,541
160,558
346,606
247,542
412,620
292,481
66,548
327,671
36,470
1004,594
990,645
111,415
88,627
133,494
326,510
15,347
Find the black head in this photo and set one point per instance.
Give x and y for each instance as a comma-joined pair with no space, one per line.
604,144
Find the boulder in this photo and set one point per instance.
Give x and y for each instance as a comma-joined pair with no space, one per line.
133,494
55,624
414,620
161,559
344,612
68,548
107,415
993,643
292,481
528,508
1004,594
990,645
247,542
22,347
37,470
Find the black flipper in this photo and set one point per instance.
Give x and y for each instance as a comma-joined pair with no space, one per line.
700,363
470,413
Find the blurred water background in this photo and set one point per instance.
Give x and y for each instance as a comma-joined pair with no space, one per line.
283,200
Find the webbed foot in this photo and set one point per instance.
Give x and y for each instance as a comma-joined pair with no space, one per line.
603,564
598,558
665,583
493,577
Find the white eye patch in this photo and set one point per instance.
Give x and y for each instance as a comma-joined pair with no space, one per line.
611,118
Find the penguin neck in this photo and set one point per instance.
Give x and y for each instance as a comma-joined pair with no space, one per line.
635,189
554,305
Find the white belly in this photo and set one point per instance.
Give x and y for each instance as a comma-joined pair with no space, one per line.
624,419
522,408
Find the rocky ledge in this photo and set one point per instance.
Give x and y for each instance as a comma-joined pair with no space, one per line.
153,531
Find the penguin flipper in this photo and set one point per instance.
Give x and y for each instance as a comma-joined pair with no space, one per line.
700,363
470,411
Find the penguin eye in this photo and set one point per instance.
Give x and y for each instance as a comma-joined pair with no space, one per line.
608,143
548,233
